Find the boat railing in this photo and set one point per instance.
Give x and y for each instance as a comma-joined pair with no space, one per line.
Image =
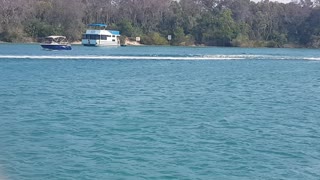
63,43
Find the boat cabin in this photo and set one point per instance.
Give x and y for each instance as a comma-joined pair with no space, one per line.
98,35
55,40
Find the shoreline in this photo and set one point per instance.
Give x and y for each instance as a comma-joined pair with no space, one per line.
135,43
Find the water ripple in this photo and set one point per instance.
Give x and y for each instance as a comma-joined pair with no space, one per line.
248,119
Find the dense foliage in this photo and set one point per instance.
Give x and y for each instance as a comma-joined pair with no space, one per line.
189,22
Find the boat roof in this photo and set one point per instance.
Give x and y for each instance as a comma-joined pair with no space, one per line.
54,37
114,32
98,25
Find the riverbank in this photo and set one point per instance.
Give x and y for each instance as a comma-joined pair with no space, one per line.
132,42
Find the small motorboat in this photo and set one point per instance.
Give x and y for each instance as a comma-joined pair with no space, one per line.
56,43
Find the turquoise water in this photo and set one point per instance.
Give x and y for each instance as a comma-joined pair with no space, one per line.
159,113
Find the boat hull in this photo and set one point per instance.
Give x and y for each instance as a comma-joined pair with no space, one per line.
56,47
101,45
98,43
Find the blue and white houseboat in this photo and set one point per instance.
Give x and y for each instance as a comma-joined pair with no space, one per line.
56,43
98,35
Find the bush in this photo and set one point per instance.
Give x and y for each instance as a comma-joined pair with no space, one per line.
37,29
154,39
13,36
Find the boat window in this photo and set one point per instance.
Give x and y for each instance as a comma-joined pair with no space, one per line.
86,36
113,36
113,40
48,40
103,37
94,36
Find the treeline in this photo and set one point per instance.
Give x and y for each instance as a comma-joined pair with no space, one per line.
190,22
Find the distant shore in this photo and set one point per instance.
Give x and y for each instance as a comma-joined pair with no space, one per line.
130,42
127,42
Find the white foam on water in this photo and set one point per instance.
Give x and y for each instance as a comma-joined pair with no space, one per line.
226,57
205,57
312,59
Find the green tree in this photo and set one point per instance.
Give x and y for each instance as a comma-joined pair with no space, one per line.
37,29
127,29
310,30
217,30
154,38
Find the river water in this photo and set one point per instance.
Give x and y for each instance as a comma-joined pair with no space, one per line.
153,112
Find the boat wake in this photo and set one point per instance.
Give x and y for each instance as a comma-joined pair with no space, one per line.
157,57
122,57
